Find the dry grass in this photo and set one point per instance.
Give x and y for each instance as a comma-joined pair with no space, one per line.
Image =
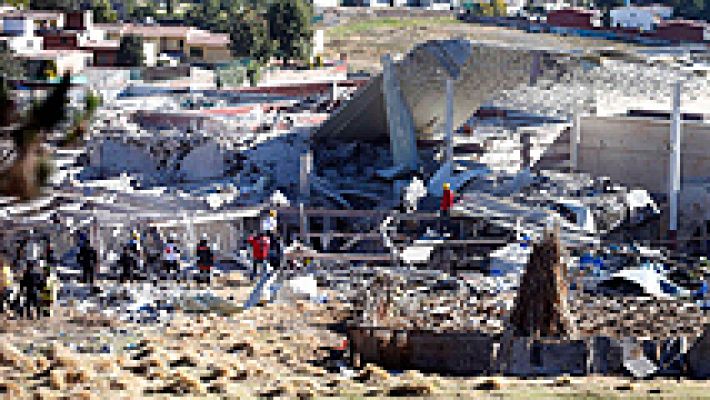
365,41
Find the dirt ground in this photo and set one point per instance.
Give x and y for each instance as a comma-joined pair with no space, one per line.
267,351
366,41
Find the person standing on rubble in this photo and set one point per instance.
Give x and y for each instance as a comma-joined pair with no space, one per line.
49,290
134,247
205,260
30,284
260,252
87,259
6,284
447,201
269,225
171,257
127,265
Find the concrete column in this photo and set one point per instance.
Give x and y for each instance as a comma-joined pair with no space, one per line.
403,143
303,223
575,135
526,154
326,230
191,240
306,164
535,70
450,121
674,173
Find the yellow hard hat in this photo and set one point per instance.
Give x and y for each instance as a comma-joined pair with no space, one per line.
446,185
272,213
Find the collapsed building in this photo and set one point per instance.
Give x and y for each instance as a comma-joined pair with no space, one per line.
507,127
493,121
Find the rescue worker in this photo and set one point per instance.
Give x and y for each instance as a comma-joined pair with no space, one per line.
30,284
87,259
134,246
48,293
49,256
6,284
205,260
260,253
275,250
447,201
171,257
269,225
127,264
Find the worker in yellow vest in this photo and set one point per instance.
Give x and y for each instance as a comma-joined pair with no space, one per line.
48,293
6,284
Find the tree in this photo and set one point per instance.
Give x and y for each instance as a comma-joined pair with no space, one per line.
10,67
140,12
64,5
130,51
81,120
500,9
30,169
23,4
103,12
290,28
249,35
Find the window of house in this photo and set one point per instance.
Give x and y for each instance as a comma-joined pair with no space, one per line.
196,52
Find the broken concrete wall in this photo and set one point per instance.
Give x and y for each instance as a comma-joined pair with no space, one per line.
203,162
534,357
634,151
699,357
456,353
114,157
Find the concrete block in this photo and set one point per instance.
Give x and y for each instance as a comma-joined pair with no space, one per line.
456,353
546,357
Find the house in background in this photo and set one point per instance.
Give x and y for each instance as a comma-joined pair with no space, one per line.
207,47
578,18
49,64
641,18
185,43
18,34
683,31
545,6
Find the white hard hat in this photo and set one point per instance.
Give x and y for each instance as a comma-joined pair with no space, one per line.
204,236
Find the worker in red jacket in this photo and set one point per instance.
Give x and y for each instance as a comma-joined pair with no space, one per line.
205,260
447,201
260,253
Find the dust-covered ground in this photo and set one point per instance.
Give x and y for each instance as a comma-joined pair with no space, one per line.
270,350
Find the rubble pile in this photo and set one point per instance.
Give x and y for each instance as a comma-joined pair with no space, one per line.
406,301
637,316
541,305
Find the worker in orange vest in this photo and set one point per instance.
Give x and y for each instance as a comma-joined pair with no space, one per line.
447,201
